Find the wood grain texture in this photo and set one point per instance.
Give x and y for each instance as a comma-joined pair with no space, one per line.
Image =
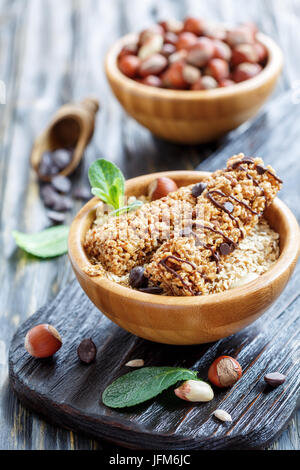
52,52
68,393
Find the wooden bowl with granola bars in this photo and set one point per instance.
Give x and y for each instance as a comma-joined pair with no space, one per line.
229,289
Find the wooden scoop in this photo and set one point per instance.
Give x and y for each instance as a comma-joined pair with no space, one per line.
70,128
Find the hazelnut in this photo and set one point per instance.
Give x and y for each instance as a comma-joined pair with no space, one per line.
129,65
173,76
205,83
245,53
161,187
201,52
222,50
186,40
191,74
151,80
224,372
171,38
178,56
128,49
173,26
261,51
149,33
245,71
240,35
226,82
215,31
151,46
194,25
218,69
42,341
194,391
153,65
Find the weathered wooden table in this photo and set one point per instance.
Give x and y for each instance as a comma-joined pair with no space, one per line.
51,52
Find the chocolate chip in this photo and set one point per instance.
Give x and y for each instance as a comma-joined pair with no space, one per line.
225,249
61,184
47,166
260,169
62,203
137,279
152,290
87,351
275,379
49,195
62,158
248,159
55,201
198,189
228,206
82,193
56,217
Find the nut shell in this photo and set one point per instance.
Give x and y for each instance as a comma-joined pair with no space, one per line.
42,341
224,372
161,187
195,391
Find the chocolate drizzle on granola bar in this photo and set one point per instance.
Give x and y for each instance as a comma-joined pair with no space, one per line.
198,242
218,232
214,254
248,161
163,263
260,169
221,206
228,246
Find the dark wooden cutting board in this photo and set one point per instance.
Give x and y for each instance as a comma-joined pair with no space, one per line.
68,393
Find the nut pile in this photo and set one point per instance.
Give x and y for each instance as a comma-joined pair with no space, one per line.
193,55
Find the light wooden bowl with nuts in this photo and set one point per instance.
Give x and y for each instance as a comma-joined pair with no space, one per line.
193,116
186,320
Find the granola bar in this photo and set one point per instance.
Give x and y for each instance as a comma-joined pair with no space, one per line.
227,210
129,240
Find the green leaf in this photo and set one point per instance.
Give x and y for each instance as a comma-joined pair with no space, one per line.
143,384
131,207
107,182
46,244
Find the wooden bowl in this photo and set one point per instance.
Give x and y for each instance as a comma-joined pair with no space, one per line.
193,116
186,320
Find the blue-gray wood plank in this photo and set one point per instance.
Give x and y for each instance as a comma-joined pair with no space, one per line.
51,52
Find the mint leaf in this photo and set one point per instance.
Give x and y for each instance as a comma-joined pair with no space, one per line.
107,182
46,244
131,207
142,384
